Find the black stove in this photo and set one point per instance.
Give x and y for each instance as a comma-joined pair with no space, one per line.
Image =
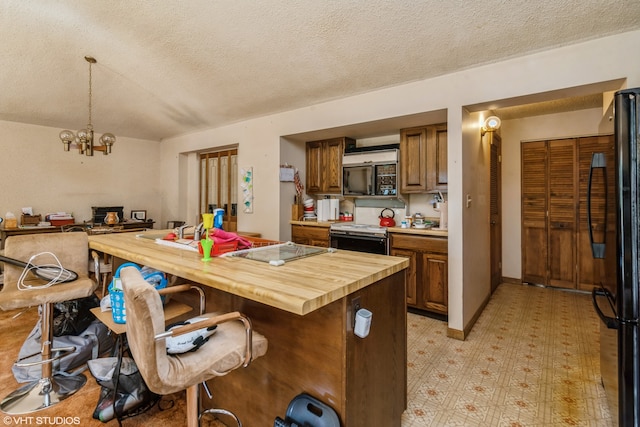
359,237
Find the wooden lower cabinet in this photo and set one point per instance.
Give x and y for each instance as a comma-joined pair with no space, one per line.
427,275
311,235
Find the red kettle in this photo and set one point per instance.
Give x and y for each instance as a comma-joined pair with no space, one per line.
387,221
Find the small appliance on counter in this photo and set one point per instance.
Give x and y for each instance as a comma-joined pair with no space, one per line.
328,209
443,208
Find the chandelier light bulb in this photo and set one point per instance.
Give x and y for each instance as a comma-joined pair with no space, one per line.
67,138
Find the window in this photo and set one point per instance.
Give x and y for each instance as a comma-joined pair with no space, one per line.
219,185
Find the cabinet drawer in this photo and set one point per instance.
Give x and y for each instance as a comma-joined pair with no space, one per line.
310,235
419,243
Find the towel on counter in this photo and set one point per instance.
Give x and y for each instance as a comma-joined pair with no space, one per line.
220,236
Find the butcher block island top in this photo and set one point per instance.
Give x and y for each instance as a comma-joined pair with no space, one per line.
299,286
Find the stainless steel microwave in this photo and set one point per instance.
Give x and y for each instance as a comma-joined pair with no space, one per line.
374,173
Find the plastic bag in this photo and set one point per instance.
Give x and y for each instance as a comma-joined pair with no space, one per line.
92,342
74,316
133,397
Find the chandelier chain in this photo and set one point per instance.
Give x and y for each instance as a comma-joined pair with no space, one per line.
90,95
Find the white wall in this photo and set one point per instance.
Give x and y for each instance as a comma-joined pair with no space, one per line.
513,132
293,154
36,172
586,63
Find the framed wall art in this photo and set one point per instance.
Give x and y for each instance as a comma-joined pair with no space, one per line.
139,215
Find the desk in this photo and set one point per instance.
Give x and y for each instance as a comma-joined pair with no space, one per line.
305,308
5,233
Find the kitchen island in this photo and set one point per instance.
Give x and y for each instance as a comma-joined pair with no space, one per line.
306,309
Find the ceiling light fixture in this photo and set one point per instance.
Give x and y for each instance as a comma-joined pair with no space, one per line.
83,140
491,124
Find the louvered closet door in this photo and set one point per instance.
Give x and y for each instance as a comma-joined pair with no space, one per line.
534,212
562,216
593,271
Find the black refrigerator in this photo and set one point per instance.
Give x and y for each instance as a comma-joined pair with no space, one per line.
616,298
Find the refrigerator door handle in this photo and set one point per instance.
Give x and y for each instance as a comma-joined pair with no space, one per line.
610,322
598,161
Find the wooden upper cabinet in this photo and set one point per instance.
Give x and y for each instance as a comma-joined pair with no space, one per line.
423,159
314,167
437,159
324,165
413,160
334,150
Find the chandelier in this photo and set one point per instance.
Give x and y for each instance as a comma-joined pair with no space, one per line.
83,139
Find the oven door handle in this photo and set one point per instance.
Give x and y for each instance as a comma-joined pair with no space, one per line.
358,236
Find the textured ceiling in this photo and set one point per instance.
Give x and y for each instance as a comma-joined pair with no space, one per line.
170,67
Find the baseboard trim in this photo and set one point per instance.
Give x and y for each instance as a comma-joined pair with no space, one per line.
462,335
513,280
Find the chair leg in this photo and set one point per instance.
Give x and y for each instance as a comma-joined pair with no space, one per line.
49,389
192,406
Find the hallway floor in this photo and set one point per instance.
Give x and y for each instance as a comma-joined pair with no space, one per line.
532,359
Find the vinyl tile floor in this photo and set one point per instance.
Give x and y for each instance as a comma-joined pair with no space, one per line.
531,359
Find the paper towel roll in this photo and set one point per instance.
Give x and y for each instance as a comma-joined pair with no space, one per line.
334,209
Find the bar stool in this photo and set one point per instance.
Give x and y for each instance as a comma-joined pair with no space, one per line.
233,345
71,250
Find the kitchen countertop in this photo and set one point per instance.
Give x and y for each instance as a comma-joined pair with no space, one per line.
415,231
300,286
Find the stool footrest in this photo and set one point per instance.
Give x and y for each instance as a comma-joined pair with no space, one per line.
63,352
223,412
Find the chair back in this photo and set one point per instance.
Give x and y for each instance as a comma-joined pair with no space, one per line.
71,249
145,319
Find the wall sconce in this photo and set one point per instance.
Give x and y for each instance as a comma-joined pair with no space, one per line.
491,124
83,139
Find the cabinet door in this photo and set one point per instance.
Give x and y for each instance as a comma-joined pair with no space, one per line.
534,212
435,289
437,158
314,153
332,168
413,160
310,235
592,271
410,274
562,213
